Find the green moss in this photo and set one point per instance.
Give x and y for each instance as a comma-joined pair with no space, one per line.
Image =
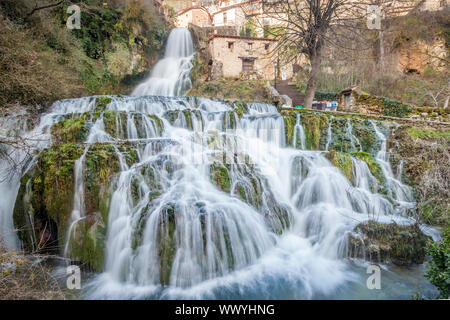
88,242
49,197
241,192
232,89
364,131
228,120
171,116
73,130
188,116
158,122
241,108
315,126
373,165
421,133
389,107
115,123
343,161
53,183
101,103
167,242
289,124
101,164
220,177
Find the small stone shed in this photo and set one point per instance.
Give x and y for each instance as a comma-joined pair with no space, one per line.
347,98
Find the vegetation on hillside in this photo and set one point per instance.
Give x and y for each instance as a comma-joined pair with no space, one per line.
24,277
41,60
423,152
438,269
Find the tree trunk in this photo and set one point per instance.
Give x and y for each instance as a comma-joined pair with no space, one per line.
382,56
313,81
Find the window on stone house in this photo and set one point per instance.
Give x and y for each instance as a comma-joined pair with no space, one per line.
250,45
266,46
247,65
230,45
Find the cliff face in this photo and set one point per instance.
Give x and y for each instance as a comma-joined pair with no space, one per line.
419,55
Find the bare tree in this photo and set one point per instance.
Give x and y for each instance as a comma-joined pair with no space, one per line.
440,95
47,5
310,26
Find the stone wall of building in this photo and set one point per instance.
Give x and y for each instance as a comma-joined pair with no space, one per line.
232,53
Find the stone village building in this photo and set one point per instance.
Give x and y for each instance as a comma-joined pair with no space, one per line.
196,15
244,58
234,56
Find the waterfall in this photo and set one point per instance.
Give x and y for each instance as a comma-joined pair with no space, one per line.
19,160
354,141
299,133
397,190
187,220
171,75
329,133
214,205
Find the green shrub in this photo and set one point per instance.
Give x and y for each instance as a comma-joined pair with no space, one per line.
395,108
438,269
326,95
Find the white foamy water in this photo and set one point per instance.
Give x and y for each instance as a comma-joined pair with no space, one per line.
171,75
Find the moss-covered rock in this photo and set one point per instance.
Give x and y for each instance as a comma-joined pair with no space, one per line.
229,120
366,135
315,126
343,161
101,103
45,202
73,130
166,242
88,241
372,164
220,176
115,123
401,245
100,165
289,124
241,108
53,183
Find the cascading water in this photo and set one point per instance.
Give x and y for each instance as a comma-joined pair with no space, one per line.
274,227
299,134
396,188
215,204
171,75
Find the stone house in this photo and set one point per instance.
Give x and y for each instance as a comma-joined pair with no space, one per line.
244,58
347,98
196,15
233,15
